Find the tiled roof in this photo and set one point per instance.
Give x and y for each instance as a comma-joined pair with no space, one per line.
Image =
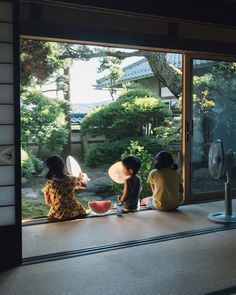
140,70
137,70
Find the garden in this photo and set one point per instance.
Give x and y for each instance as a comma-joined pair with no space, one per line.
138,119
124,135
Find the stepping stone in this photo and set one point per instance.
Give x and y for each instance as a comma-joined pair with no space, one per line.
85,194
29,193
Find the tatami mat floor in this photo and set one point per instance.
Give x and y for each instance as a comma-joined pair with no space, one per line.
194,265
71,235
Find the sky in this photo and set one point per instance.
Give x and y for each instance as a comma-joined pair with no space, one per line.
83,77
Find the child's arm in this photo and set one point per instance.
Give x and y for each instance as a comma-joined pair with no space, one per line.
152,187
151,182
125,192
46,193
47,199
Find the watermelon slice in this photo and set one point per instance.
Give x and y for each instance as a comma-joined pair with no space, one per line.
100,207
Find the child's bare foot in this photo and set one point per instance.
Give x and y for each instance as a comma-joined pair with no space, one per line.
88,211
143,202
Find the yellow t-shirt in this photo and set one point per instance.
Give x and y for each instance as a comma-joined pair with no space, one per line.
166,188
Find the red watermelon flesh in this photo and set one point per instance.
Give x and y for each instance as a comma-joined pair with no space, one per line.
100,207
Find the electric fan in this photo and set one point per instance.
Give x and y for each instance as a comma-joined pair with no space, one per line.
220,164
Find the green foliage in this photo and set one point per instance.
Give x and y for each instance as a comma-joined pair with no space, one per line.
211,87
214,104
57,139
27,166
223,79
202,101
30,165
43,121
38,208
107,153
37,164
100,154
107,62
39,60
147,162
151,143
127,116
171,132
33,210
133,90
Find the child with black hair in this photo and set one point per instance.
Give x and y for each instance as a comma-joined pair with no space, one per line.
59,190
132,185
166,184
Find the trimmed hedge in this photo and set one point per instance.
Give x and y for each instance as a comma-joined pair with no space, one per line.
100,154
30,165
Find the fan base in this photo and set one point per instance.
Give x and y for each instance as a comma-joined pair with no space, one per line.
221,217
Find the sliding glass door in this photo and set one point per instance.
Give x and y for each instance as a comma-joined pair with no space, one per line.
211,116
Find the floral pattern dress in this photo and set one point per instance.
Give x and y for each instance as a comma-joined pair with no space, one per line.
64,204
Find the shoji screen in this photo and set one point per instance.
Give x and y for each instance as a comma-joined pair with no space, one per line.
10,228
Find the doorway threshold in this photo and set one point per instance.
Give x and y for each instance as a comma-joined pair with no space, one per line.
56,237
44,220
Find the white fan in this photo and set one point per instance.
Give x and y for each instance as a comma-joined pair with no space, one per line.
73,166
74,169
220,164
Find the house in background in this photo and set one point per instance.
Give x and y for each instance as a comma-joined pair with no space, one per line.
141,72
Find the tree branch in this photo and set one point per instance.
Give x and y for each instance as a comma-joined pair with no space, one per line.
162,70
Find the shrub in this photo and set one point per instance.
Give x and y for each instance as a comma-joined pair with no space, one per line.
100,154
152,144
43,121
126,116
37,164
30,164
27,167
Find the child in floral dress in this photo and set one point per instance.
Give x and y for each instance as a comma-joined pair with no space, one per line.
59,190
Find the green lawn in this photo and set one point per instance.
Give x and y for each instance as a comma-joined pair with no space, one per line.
36,208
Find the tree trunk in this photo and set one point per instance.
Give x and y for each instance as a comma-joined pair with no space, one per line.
170,76
163,71
67,146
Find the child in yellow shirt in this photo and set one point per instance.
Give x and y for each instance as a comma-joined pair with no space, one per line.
166,184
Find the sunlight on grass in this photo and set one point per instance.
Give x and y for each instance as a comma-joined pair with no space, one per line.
33,210
37,209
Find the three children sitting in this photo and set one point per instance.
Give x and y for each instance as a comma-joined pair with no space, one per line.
165,182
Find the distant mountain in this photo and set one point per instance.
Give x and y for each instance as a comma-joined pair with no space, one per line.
88,107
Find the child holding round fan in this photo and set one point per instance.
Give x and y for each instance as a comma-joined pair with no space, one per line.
59,190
